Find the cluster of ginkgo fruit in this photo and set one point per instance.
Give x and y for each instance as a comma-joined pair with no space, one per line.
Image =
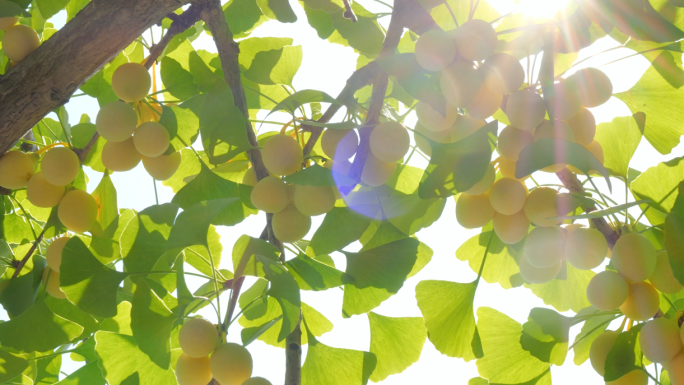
19,40
204,357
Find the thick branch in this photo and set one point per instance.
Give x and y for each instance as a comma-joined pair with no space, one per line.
48,77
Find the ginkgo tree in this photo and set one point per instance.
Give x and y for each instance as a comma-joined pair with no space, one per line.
107,284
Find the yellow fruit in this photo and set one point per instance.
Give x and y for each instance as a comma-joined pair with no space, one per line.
151,139
659,340
567,100
512,141
541,205
507,168
473,211
585,249
434,121
290,225
511,229
77,211
51,282
435,50
502,73
120,156
607,290
460,83
339,144
538,275
60,166
149,112
598,353
485,184
507,196
162,167
583,126
313,200
635,377
198,337
250,178
389,141
19,41
675,368
544,246
131,82
525,109
257,381
270,195
43,194
282,155
376,172
634,257
16,169
7,22
475,40
485,104
663,278
54,253
642,303
594,86
116,121
231,364
193,371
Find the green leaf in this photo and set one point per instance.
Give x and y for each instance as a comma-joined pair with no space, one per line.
244,255
74,7
321,21
177,80
122,362
318,176
144,240
447,308
545,335
11,366
335,366
16,229
674,243
192,225
285,290
478,381
300,98
461,10
254,301
243,16
18,294
251,334
89,374
313,275
278,10
592,328
12,9
655,184
565,294
87,283
107,213
49,8
605,212
198,256
275,66
396,343
69,311
341,226
151,323
121,322
267,327
182,123
619,140
625,355
365,36
185,297
47,369
502,259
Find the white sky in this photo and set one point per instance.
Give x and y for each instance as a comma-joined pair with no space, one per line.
326,67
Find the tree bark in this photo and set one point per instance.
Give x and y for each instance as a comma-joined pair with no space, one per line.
48,77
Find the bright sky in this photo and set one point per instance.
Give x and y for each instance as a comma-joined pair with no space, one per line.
326,67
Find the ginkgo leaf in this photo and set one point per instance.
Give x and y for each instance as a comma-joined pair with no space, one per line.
89,374
396,343
313,275
658,184
340,227
565,294
335,366
11,366
502,259
151,323
619,140
545,335
625,355
143,241
592,328
192,225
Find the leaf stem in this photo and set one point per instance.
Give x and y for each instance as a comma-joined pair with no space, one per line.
216,286
659,203
484,259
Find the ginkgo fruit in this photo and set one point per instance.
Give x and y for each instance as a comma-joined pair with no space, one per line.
598,353
376,172
339,144
131,82
290,225
313,200
78,211
659,340
193,371
663,278
485,183
502,73
389,141
594,86
473,211
51,282
120,156
41,193
635,377
198,337
460,83
435,50
19,41
475,40
511,229
270,195
282,155
585,249
538,275
642,302
607,290
540,207
435,121
231,364
116,121
525,109
7,22
53,254
544,246
634,257
162,167
675,368
567,101
60,166
16,169
512,141
583,126
257,381
151,139
507,196
485,104
507,168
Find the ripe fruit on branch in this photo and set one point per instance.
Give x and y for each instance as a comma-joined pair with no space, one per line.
151,139
567,100
607,290
162,167
634,257
676,369
193,371
16,169
642,303
507,168
77,211
271,195
473,211
51,282
231,364
485,183
659,340
507,196
376,172
7,22
595,88
339,144
120,156
43,194
544,246
131,82
290,225
663,278
511,229
583,126
198,337
558,130
502,73
282,155
512,141
541,205
538,275
60,166
485,104
460,83
389,141
116,121
435,50
475,40
434,121
585,249
313,200
19,41
598,353
54,253
525,109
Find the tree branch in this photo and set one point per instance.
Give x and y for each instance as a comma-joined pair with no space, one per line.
28,255
179,25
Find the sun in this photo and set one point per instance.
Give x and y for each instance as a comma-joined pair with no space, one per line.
542,8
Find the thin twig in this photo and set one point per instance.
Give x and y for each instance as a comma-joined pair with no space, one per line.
28,255
179,25
349,13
